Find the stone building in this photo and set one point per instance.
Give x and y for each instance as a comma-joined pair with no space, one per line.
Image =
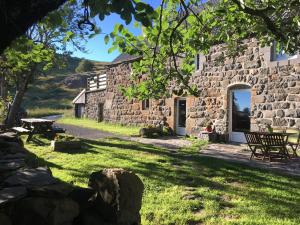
259,87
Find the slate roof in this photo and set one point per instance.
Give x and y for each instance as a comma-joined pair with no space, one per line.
123,57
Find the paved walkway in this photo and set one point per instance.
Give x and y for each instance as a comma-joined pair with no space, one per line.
241,154
173,143
86,133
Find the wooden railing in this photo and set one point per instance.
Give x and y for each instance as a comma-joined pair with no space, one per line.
97,82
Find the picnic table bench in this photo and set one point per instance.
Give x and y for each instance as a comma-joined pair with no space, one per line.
32,126
20,130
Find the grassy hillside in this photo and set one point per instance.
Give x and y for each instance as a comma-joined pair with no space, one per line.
48,95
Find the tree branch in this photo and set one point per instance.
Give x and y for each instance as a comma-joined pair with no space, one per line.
261,13
158,36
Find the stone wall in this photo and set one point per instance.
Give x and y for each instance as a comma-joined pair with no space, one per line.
93,98
275,88
275,92
117,107
30,195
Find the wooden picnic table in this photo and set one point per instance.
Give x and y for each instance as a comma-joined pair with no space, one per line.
32,126
37,126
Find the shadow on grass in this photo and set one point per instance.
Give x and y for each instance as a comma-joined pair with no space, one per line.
170,168
196,170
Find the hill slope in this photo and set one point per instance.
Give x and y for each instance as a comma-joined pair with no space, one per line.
53,93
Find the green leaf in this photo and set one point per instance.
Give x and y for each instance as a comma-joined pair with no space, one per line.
106,39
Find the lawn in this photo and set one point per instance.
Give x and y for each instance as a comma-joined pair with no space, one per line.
104,126
184,187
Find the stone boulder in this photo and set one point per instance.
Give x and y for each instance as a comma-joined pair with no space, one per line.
118,196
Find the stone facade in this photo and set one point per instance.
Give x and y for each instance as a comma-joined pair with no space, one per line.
275,88
116,107
274,85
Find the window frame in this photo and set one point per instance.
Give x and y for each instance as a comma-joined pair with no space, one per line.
200,59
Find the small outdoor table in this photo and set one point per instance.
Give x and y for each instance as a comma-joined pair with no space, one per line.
37,126
274,141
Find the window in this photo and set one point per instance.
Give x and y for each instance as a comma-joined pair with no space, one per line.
278,53
145,104
197,62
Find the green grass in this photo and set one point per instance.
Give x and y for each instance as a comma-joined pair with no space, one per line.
104,126
41,112
184,188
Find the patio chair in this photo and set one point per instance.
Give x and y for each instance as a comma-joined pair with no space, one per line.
293,139
275,145
254,143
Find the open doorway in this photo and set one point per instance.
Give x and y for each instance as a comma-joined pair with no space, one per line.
181,116
239,113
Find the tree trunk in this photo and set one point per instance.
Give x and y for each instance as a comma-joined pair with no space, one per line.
3,87
15,106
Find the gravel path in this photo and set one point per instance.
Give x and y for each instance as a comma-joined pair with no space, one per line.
172,143
86,133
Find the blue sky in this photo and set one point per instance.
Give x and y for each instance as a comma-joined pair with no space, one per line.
243,98
97,49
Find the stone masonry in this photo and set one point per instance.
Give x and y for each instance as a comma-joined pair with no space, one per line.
275,92
117,108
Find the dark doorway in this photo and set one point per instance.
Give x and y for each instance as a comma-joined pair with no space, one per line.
100,112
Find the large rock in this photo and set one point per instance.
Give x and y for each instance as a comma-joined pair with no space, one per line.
46,211
85,198
119,195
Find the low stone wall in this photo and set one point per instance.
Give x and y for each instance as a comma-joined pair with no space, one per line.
30,195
